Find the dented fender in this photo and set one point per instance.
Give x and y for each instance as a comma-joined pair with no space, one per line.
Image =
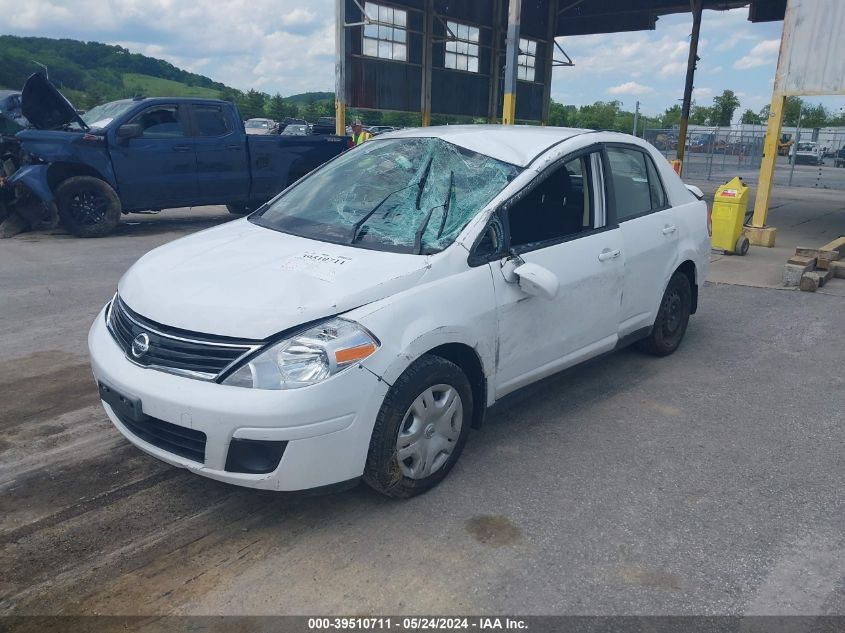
35,179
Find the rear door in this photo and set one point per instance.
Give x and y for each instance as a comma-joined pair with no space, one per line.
649,233
159,168
222,160
560,225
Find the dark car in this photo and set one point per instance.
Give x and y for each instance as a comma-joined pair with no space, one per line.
164,152
324,125
289,120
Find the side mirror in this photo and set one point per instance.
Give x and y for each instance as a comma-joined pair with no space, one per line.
538,281
129,130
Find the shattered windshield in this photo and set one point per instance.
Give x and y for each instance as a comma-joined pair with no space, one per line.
101,115
411,195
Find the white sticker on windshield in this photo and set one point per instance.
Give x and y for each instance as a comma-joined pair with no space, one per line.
319,265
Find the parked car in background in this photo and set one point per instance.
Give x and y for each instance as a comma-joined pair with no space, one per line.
296,130
839,158
807,152
163,152
363,320
324,125
375,130
260,126
290,121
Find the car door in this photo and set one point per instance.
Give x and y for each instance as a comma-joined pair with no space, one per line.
560,225
649,233
157,169
222,161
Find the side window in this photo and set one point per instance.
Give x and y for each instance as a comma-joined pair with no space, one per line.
635,182
561,206
492,242
160,122
658,195
211,120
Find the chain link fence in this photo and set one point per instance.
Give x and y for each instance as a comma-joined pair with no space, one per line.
720,153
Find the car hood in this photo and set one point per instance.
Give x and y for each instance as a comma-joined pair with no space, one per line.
246,281
45,107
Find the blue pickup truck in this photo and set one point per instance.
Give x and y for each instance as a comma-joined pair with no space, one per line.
150,154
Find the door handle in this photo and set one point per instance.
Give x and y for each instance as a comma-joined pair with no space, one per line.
181,148
607,254
235,147
669,229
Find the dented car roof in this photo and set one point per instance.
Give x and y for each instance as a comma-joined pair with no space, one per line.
515,144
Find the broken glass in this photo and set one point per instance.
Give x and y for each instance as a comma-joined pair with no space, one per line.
404,194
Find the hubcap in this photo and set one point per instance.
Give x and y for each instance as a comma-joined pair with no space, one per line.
673,313
429,431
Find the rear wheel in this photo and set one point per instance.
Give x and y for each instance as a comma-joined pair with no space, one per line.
672,318
421,429
88,206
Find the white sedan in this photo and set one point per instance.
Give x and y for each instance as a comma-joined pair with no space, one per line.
362,321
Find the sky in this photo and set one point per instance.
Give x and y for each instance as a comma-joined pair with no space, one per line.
287,46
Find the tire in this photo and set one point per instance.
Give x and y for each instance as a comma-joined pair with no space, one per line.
742,245
422,387
238,209
672,318
88,206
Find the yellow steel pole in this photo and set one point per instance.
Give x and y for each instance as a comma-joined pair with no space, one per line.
340,68
511,58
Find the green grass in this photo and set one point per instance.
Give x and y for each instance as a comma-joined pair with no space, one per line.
148,86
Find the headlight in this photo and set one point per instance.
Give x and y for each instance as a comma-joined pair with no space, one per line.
306,358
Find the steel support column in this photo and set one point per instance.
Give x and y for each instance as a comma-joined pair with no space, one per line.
758,233
511,56
696,7
495,64
340,67
550,59
428,37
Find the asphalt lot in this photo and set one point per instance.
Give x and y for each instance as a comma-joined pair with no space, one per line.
709,482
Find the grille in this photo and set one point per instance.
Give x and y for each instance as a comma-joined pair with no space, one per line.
169,437
173,350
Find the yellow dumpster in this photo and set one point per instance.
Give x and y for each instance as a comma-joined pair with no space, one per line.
728,215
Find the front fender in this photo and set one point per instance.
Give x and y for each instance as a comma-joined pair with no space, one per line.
35,179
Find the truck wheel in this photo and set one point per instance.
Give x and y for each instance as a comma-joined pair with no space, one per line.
421,428
88,206
238,209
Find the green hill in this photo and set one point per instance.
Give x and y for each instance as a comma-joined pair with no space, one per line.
89,73
135,84
308,97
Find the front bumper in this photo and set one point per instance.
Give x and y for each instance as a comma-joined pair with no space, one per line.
327,426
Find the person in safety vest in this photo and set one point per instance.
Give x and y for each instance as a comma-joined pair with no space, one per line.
359,135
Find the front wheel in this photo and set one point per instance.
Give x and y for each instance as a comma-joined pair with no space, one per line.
420,430
88,206
672,318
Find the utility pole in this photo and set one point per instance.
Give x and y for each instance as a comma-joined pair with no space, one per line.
696,7
340,67
795,145
636,117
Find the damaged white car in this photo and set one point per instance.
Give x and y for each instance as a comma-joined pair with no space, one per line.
362,321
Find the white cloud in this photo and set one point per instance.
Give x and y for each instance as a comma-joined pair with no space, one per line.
765,52
630,88
673,68
702,93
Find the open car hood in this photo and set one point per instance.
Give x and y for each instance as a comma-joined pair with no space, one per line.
45,107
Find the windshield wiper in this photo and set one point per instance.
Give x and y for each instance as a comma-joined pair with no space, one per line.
444,206
357,226
423,180
447,204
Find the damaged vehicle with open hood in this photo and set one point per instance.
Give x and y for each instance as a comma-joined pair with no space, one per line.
148,154
358,324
